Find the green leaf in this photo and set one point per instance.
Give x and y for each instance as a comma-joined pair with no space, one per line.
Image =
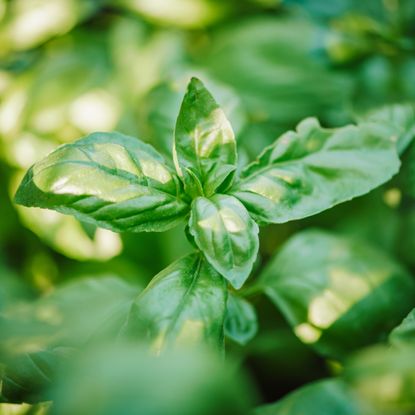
72,315
204,143
124,379
312,169
107,179
396,122
405,332
337,293
29,376
37,337
328,397
185,304
384,377
241,323
227,236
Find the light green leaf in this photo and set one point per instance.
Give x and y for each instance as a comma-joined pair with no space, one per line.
123,379
204,143
396,122
328,397
185,304
312,169
70,316
107,179
405,332
337,293
384,377
227,236
37,336
241,323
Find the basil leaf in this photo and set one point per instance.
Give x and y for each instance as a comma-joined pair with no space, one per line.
395,121
384,377
183,304
123,379
204,143
328,397
28,377
337,293
405,332
227,236
107,179
76,313
241,323
312,169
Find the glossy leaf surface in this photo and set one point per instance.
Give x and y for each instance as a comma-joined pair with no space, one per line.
337,293
227,236
312,169
183,305
241,324
328,397
204,143
108,179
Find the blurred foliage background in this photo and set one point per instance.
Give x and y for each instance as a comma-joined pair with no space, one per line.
71,67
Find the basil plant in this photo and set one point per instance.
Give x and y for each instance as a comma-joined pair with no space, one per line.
122,184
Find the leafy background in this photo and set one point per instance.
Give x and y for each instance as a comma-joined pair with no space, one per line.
72,67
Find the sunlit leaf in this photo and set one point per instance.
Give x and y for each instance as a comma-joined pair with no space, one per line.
227,236
163,104
190,14
66,235
337,293
183,305
241,323
313,169
28,23
109,180
204,143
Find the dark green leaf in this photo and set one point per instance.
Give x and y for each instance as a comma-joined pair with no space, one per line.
184,304
241,323
406,178
204,143
227,236
107,179
337,293
29,376
312,169
327,397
